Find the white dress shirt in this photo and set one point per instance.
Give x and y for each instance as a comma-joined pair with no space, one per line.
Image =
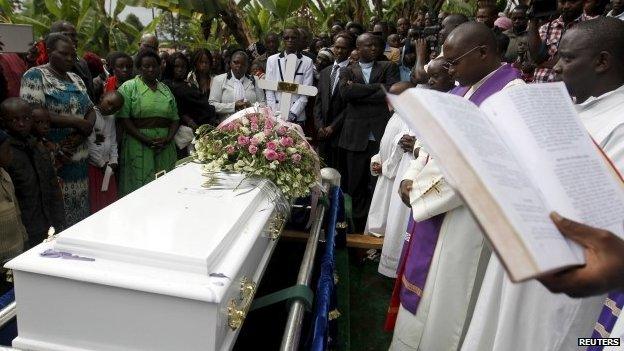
303,75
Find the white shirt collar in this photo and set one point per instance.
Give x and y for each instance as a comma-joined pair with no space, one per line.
367,64
592,99
342,64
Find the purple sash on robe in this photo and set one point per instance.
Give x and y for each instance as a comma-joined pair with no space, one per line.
424,234
608,316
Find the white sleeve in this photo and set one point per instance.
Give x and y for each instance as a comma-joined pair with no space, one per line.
216,95
389,167
375,159
112,134
308,79
271,75
614,147
431,195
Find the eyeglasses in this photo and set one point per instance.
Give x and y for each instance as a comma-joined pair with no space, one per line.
455,62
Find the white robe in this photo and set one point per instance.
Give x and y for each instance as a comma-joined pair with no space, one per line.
389,157
457,267
396,226
527,316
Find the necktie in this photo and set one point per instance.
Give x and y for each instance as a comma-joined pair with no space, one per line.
333,77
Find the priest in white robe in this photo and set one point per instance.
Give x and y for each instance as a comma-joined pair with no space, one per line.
384,166
438,292
527,316
398,214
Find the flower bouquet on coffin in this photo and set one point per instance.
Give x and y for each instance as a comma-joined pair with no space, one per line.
254,143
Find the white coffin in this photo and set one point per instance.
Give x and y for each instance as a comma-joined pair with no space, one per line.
170,260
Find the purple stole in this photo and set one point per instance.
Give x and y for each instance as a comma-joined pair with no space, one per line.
608,316
424,235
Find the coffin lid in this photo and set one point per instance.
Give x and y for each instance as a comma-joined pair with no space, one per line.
159,225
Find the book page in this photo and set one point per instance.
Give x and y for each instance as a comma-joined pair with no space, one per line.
566,165
506,181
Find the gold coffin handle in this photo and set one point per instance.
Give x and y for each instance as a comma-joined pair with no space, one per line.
276,227
236,312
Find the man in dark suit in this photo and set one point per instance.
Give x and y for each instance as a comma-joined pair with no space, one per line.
365,118
329,105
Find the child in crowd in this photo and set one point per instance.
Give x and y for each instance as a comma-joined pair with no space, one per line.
354,57
103,154
12,231
40,130
394,41
36,186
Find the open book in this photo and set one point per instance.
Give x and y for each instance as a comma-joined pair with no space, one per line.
523,154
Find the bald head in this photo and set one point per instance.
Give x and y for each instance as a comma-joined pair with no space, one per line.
455,19
449,23
472,52
603,34
590,58
471,34
149,41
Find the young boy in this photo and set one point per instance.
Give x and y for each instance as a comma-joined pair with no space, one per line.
36,186
40,130
103,155
12,231
394,41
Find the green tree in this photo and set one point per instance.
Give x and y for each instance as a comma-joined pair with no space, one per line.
98,31
134,21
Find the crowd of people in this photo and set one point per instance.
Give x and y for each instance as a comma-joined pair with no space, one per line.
77,133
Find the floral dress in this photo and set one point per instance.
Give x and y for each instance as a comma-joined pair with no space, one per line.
41,86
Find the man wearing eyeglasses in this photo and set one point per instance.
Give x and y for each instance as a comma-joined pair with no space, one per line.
527,314
447,259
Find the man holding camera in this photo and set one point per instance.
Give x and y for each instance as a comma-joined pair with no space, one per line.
544,42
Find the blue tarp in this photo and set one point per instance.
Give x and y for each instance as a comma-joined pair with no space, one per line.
324,330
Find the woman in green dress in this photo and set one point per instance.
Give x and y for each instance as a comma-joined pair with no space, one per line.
149,119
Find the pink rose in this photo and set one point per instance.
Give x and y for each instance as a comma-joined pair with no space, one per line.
282,130
253,119
271,145
230,149
286,141
296,158
281,156
254,127
268,124
243,140
228,127
270,155
254,141
252,149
